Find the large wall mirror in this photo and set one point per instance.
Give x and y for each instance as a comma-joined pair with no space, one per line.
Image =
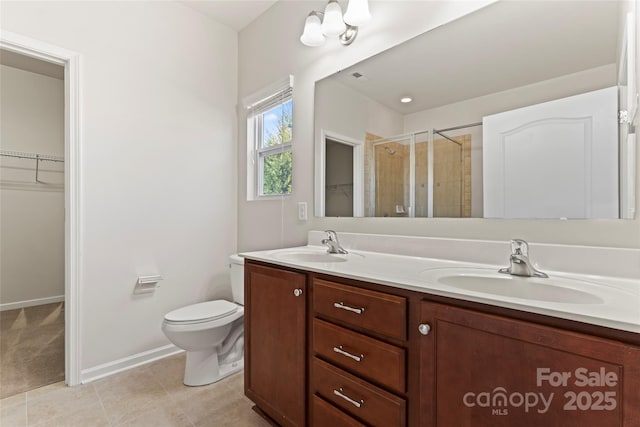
509,112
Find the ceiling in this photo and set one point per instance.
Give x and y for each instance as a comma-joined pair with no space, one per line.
27,63
502,46
236,14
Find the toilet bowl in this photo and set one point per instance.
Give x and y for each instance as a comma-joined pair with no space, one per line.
211,332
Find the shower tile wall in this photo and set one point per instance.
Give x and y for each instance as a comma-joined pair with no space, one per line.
452,186
451,197
466,159
392,178
387,175
422,179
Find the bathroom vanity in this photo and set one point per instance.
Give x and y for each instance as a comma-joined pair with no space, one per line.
334,349
275,330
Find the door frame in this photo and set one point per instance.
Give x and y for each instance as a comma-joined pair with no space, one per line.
358,171
72,189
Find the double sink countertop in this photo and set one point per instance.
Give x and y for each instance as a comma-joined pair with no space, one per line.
612,302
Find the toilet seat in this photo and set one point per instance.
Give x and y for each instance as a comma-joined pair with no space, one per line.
201,312
169,326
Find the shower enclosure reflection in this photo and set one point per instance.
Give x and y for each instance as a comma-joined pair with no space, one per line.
423,174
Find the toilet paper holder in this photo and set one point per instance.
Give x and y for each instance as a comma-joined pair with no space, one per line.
146,284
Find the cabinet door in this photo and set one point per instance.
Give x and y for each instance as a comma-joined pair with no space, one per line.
484,370
275,342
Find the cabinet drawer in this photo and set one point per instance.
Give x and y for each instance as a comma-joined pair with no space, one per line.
325,414
377,361
376,311
356,397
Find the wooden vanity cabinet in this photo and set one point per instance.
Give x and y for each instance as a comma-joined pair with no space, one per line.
275,342
479,369
324,351
358,355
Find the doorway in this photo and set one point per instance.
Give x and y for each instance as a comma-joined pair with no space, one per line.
341,190
70,61
32,223
339,179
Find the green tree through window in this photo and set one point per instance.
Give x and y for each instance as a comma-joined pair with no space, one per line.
277,174
277,167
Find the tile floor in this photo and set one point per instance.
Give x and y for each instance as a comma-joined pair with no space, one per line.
31,348
149,396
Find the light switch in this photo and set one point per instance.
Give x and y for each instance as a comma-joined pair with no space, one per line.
302,211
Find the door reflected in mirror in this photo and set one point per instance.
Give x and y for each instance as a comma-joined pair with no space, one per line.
339,181
502,122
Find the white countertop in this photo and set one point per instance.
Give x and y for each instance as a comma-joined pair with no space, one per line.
618,308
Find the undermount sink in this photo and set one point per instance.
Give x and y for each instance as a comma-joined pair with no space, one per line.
321,256
487,281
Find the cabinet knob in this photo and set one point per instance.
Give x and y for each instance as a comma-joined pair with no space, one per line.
424,329
297,292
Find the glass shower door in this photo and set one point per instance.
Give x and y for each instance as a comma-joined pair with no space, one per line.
392,177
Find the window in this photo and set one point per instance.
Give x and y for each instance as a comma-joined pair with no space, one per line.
269,140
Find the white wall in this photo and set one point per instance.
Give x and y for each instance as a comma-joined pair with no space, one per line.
159,87
32,215
344,111
279,53
340,110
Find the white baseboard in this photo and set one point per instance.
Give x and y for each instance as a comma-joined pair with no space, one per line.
31,303
110,368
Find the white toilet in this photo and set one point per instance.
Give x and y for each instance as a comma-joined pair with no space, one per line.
212,333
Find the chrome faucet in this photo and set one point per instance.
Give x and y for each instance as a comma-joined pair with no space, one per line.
332,243
520,265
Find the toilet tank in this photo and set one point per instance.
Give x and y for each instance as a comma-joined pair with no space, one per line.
236,269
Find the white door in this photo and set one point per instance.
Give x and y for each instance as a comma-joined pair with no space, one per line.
558,159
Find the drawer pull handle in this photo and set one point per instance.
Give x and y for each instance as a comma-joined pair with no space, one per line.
339,350
346,307
356,403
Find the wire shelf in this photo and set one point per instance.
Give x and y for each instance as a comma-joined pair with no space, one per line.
31,156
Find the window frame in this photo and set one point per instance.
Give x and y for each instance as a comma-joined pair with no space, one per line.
262,152
265,100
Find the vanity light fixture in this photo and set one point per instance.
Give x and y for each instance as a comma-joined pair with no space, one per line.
332,23
406,99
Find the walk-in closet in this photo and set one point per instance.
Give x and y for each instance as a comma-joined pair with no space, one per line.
32,193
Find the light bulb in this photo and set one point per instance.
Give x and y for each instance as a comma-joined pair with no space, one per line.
357,13
332,23
312,34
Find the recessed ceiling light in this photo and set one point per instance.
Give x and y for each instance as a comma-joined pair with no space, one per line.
406,99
